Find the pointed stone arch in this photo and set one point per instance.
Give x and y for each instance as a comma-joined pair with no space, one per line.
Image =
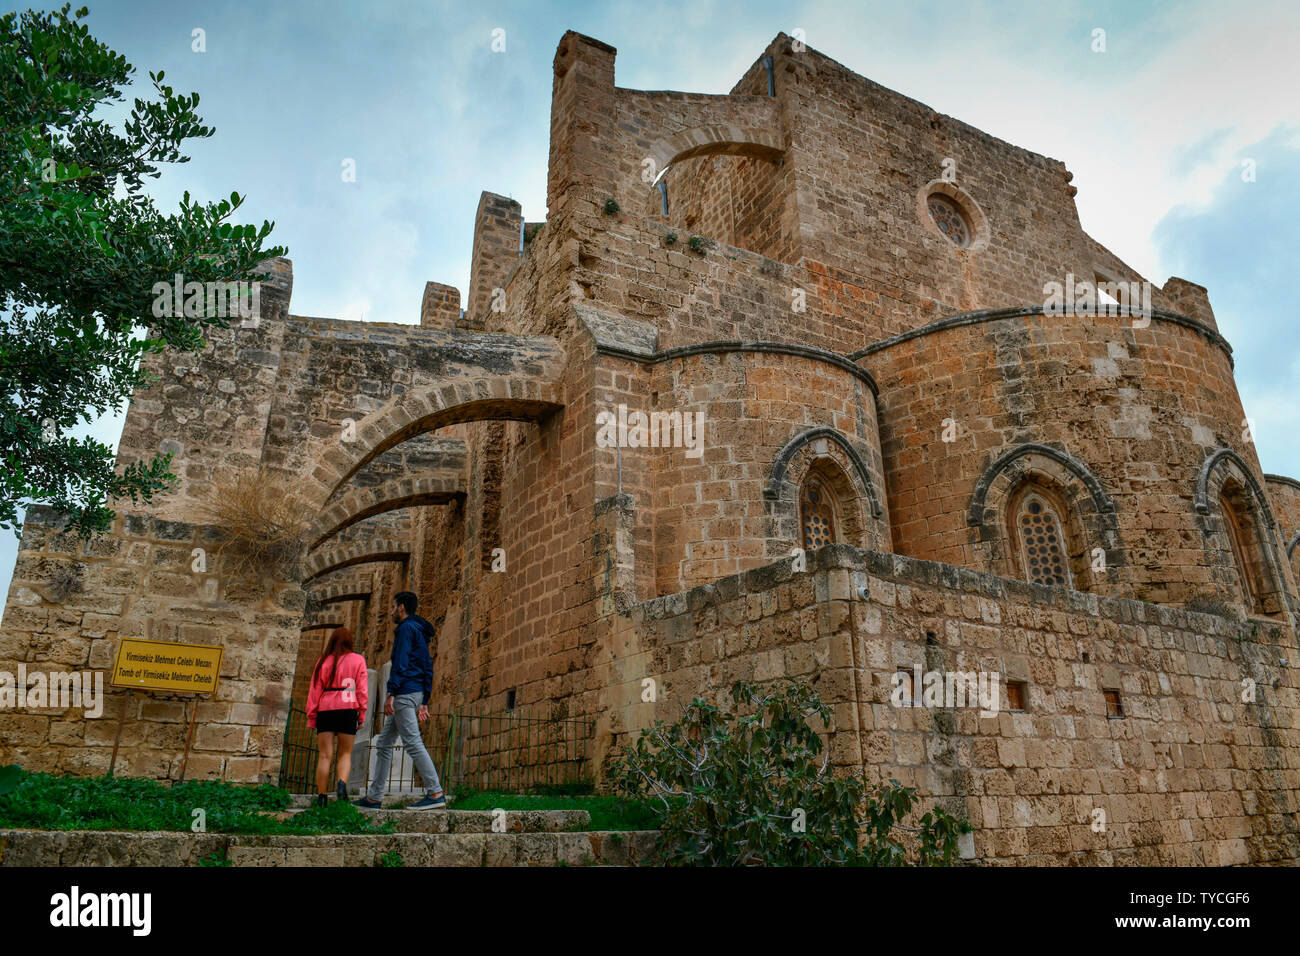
358,504
716,139
339,591
327,558
1234,542
1225,461
826,454
1070,485
327,590
795,457
503,397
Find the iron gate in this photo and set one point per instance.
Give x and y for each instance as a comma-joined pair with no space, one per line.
513,750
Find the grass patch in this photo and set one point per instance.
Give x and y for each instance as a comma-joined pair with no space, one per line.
607,813
334,817
40,801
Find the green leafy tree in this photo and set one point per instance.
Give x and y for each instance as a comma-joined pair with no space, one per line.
81,249
756,790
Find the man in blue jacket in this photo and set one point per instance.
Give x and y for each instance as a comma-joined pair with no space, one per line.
410,682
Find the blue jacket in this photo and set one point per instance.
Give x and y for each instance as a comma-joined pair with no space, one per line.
412,670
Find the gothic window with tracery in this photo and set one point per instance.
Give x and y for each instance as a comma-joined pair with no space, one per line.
947,215
817,514
1042,542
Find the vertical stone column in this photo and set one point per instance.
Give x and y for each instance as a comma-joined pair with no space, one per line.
583,120
1191,300
440,307
614,575
498,226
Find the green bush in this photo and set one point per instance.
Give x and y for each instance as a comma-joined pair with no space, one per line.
9,777
757,790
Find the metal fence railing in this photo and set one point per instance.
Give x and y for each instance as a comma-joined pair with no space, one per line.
511,750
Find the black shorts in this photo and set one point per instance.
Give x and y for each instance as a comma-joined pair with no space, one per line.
336,722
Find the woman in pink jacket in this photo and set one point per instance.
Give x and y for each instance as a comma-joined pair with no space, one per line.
336,706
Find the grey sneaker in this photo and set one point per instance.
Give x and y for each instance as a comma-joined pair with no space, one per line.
430,803
365,803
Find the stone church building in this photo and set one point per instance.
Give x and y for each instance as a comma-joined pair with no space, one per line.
780,387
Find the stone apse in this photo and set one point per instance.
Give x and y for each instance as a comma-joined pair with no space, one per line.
909,459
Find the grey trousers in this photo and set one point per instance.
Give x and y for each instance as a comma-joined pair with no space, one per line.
404,722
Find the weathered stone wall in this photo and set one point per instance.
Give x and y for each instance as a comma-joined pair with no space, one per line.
497,238
726,510
210,409
1284,493
1192,774
1131,406
138,582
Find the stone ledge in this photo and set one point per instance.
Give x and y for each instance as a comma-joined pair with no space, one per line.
899,569
80,848
472,821
1019,311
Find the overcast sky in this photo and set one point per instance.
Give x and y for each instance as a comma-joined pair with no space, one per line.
1155,130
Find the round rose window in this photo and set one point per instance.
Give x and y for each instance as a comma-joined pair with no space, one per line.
947,215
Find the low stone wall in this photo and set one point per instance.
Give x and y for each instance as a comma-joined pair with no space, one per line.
1203,768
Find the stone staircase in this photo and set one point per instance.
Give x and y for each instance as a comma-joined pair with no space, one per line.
419,838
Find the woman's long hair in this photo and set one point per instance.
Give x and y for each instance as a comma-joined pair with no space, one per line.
340,645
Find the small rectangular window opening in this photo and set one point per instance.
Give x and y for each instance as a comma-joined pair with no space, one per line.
1114,706
1016,695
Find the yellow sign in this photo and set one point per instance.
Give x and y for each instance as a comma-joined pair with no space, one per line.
163,665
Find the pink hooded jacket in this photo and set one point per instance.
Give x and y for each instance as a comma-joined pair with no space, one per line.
351,676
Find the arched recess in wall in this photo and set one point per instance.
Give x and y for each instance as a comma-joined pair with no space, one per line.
1038,514
819,491
534,394
1241,536
723,183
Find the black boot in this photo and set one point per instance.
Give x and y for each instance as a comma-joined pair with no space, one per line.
343,791
322,800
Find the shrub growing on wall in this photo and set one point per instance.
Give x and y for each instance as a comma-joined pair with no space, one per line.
261,525
756,789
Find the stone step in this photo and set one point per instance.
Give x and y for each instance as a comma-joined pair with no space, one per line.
445,849
473,821
77,848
